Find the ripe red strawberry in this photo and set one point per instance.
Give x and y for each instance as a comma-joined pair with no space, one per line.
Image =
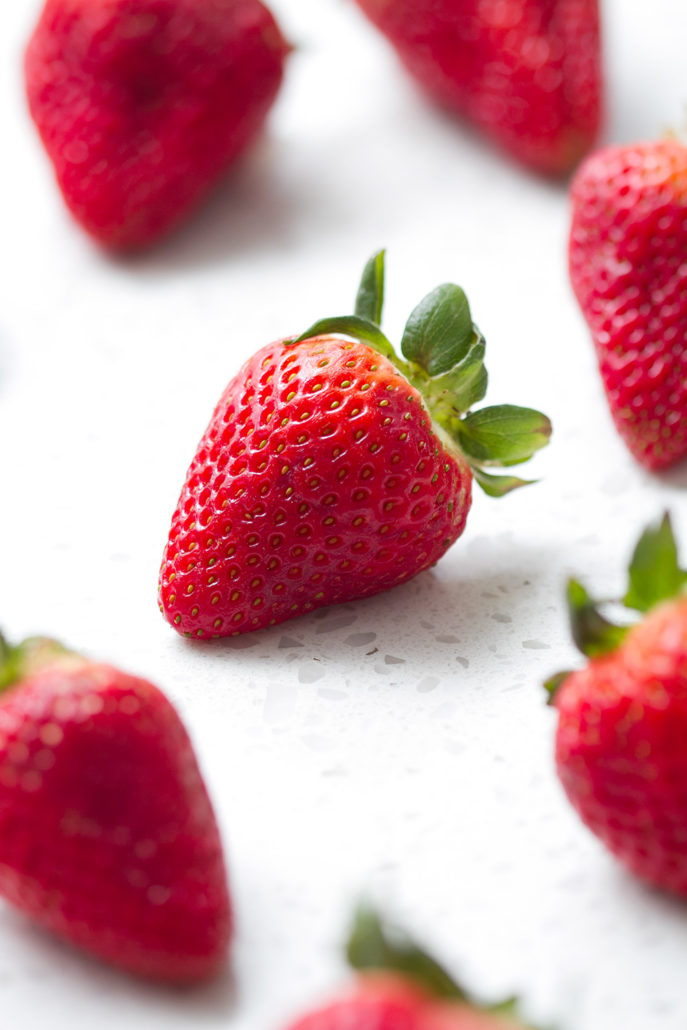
331,469
400,987
620,744
107,835
628,270
526,72
143,104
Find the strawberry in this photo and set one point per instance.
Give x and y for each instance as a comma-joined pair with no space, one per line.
107,835
331,469
526,72
401,987
143,104
628,270
622,726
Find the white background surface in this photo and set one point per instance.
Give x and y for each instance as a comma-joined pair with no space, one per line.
400,745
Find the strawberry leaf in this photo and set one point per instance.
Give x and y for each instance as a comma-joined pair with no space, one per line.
655,574
593,634
21,660
504,434
9,663
370,299
439,332
453,393
498,486
354,326
509,1010
374,946
554,683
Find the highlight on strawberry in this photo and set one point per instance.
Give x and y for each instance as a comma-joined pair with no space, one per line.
401,987
107,835
527,73
333,469
622,718
627,248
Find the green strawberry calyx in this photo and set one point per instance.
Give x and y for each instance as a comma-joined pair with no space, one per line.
18,661
654,577
374,946
443,358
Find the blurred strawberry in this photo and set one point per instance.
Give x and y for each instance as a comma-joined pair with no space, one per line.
628,269
622,719
143,104
107,835
526,72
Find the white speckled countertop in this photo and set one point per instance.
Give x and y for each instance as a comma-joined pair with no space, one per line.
402,744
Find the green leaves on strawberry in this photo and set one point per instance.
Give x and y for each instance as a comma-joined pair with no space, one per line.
444,360
655,576
373,945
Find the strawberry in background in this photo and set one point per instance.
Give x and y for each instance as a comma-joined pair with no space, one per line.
107,834
400,987
333,469
528,73
628,267
622,718
142,105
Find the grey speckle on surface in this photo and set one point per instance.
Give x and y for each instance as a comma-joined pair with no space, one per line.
289,642
360,639
536,645
429,683
310,673
331,625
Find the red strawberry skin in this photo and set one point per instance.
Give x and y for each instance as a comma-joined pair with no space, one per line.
376,1002
620,747
319,479
143,104
627,266
527,72
380,1001
107,835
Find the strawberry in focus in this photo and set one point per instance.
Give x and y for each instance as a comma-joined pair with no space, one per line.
331,469
627,266
401,987
622,719
143,104
526,72
107,835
